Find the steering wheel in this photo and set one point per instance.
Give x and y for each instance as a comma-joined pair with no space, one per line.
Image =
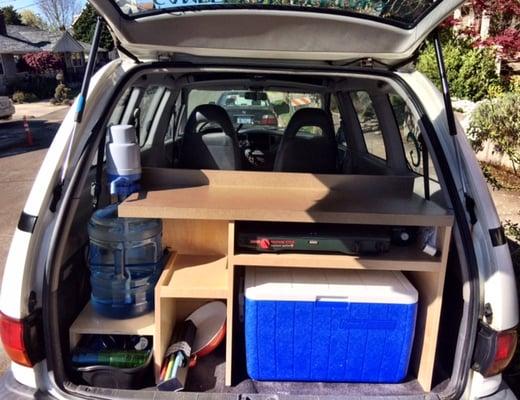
258,158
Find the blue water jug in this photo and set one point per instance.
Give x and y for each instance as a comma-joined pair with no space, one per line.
125,260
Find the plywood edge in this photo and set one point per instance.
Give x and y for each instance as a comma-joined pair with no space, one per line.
168,177
196,277
89,322
335,262
230,305
272,215
431,288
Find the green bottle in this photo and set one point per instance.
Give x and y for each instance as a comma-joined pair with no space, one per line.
117,359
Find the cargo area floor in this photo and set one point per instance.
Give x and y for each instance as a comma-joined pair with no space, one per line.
208,376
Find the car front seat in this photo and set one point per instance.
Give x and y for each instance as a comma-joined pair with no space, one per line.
210,140
309,153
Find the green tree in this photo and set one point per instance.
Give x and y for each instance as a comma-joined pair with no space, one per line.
30,18
496,120
11,16
85,25
471,70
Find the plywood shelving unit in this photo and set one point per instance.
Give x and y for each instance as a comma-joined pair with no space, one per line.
199,210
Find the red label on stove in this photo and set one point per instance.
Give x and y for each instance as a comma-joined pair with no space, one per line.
266,244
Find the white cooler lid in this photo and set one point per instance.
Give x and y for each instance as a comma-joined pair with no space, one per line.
354,286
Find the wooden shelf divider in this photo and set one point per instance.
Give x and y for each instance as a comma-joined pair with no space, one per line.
196,277
400,259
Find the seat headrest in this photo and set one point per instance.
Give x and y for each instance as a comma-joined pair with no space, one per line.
310,117
210,113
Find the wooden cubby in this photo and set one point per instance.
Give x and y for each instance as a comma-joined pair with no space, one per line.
199,209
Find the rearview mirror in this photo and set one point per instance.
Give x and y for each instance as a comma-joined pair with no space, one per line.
281,108
256,96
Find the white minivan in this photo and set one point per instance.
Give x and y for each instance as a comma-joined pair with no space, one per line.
294,92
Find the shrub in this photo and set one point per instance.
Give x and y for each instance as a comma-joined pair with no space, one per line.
471,71
514,84
512,230
497,121
61,94
495,90
20,97
491,178
41,62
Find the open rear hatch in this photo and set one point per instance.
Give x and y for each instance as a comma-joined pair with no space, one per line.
334,31
387,32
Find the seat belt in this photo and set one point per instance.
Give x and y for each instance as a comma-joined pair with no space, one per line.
426,167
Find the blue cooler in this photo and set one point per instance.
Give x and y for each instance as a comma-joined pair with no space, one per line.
328,325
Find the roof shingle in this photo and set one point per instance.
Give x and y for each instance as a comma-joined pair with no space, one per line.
22,39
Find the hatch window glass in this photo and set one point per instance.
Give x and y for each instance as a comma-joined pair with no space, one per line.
369,123
404,13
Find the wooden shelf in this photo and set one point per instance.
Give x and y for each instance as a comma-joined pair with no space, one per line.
238,196
196,277
398,259
91,323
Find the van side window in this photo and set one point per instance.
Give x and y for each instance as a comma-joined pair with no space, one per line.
336,119
410,131
369,123
146,111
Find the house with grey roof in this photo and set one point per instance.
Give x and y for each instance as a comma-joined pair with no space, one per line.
17,40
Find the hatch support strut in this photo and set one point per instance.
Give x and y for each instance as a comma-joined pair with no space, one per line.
80,108
452,127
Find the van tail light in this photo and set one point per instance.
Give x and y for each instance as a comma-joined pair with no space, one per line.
22,338
269,119
494,350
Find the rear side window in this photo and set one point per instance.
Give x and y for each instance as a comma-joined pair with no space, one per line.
369,123
410,131
147,109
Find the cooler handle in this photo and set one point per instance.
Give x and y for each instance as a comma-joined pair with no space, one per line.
342,301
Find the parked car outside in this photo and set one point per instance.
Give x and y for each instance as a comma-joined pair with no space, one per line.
248,108
7,109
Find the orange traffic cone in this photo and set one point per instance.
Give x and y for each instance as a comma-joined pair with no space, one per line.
28,133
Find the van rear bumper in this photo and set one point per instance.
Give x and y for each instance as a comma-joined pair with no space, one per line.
11,389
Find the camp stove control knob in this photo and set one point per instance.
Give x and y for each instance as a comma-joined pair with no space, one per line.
265,244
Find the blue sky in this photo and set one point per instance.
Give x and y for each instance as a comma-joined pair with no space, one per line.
23,4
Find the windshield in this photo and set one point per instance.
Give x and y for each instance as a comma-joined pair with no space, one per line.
239,99
401,12
269,109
